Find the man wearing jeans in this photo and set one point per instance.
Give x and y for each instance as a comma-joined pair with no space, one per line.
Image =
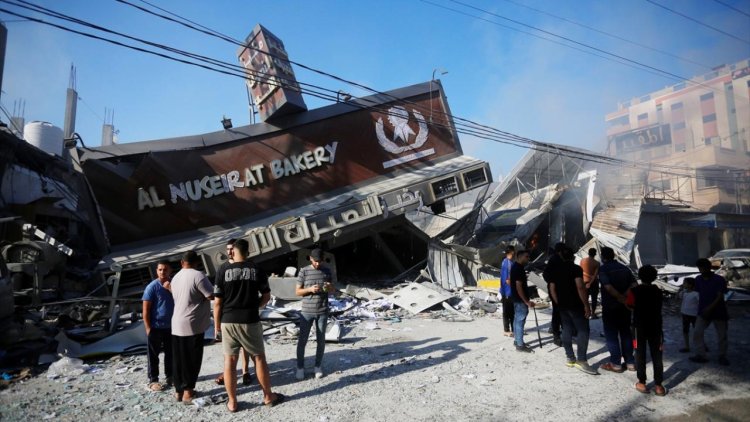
712,309
569,292
519,284
158,307
616,279
313,285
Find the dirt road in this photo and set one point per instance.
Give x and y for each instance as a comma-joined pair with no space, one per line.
418,369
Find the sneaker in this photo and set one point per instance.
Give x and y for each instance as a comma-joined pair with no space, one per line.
524,349
570,363
723,361
318,372
585,367
698,359
300,374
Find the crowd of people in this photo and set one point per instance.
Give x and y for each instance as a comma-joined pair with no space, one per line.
631,312
177,313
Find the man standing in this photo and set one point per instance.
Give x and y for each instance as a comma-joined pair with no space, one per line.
313,285
712,308
519,284
247,379
158,307
568,291
505,291
192,292
616,280
241,290
551,271
590,268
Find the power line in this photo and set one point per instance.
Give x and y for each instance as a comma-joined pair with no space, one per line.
480,131
597,49
732,7
698,22
609,34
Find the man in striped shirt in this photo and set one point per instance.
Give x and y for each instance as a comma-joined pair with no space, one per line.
313,285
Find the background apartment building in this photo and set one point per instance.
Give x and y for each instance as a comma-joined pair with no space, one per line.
696,135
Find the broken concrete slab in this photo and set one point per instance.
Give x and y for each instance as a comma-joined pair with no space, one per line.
415,298
131,339
363,293
283,288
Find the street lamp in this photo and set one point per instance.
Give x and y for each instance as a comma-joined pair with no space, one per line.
442,72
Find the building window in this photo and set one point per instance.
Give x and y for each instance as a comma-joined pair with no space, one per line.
676,106
642,118
709,118
706,97
678,126
661,184
710,177
620,121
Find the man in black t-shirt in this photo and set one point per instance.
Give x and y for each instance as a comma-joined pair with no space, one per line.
241,290
551,271
569,292
519,291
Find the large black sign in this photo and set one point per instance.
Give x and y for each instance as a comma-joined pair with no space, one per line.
644,138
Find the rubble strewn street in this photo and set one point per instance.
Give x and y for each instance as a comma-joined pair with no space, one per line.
414,367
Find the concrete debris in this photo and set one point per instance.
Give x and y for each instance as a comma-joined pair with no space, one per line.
416,298
363,293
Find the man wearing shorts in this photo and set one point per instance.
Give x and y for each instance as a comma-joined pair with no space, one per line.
241,290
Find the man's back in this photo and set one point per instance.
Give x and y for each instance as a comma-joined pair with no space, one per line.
566,288
708,289
590,268
239,285
191,308
618,276
647,302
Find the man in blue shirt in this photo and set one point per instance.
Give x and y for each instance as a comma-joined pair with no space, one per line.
505,291
158,307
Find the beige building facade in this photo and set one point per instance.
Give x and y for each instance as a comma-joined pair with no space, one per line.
696,135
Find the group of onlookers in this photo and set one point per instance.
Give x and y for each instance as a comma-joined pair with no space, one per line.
631,312
177,313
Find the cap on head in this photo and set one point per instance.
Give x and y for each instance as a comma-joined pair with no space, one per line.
316,254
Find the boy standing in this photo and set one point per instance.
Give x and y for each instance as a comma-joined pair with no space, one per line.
689,310
505,291
158,307
313,285
646,300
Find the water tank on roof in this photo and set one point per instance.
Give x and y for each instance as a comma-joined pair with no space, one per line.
45,136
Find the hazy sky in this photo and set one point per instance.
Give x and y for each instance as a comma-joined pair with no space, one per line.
496,76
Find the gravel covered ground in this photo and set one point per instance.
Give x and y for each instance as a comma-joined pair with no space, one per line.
418,369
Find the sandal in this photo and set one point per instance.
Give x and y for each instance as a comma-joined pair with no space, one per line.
155,387
660,390
219,380
641,387
609,366
278,400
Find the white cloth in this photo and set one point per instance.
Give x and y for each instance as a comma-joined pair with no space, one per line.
689,303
